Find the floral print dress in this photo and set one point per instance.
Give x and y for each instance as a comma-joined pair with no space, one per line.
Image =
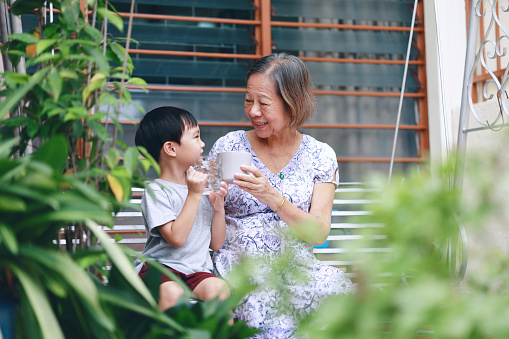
287,292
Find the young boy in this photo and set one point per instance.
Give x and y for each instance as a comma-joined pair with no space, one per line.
181,223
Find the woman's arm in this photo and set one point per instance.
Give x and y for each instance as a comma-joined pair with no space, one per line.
312,227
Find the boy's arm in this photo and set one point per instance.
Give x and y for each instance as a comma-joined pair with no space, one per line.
218,229
176,231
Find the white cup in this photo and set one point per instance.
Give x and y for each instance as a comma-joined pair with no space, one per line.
231,162
212,167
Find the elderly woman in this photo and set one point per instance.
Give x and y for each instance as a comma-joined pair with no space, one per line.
284,202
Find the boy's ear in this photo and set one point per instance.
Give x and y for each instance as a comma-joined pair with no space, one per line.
169,149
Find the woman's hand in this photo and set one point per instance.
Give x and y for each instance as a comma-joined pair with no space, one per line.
217,199
256,184
313,226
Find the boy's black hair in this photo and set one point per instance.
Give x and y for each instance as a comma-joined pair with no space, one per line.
160,125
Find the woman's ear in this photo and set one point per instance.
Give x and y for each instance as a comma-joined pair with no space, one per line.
169,149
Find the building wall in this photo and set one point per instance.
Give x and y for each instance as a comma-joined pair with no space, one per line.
445,54
445,57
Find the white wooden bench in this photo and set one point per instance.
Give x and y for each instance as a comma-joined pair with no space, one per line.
348,202
350,206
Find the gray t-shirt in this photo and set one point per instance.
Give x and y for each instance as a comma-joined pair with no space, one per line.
169,200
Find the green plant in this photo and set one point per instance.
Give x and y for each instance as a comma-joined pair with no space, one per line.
58,294
411,291
75,87
34,206
63,171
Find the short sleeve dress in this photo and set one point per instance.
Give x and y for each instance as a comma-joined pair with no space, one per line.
254,230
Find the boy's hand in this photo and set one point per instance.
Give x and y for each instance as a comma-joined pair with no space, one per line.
217,199
195,180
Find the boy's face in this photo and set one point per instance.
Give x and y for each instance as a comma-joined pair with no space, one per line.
191,146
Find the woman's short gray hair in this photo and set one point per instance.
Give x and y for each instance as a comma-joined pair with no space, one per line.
293,83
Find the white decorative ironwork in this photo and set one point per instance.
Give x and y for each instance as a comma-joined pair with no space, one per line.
495,88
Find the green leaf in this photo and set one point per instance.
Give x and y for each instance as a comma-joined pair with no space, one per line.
70,10
93,195
112,17
10,204
96,82
119,75
5,146
43,58
48,323
107,99
131,161
28,193
44,44
75,214
76,113
94,35
119,52
137,81
13,79
27,38
13,100
55,82
98,128
119,300
32,129
99,59
145,165
147,156
53,152
8,238
122,263
10,169
199,334
112,158
25,6
74,276
80,42
90,258
66,74
55,286
52,29
15,56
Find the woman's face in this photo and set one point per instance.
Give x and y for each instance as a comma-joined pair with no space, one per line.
264,107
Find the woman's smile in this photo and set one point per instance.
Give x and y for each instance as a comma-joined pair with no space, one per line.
260,124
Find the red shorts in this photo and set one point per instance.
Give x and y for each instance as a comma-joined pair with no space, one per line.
191,280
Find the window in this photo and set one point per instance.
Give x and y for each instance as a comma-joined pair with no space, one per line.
195,54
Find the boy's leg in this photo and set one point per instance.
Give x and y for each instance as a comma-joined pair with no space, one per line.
169,294
211,288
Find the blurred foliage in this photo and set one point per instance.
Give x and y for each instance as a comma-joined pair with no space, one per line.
63,172
75,87
413,289
63,167
57,294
